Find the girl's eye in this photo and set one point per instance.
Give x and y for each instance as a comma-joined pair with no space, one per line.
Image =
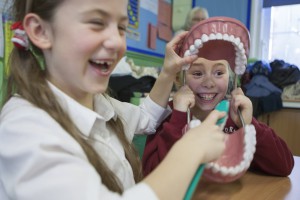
219,73
122,29
197,74
99,23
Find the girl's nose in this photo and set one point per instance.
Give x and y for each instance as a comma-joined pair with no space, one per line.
208,82
114,39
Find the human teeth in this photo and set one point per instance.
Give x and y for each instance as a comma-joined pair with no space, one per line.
102,62
207,96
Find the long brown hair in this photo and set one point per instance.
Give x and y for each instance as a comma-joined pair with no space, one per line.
29,81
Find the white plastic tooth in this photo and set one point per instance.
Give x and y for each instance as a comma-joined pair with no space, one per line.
242,52
231,38
195,52
192,48
187,53
253,149
241,45
237,41
241,166
204,38
231,171
238,169
237,65
238,53
212,36
247,156
208,165
247,165
198,43
224,171
239,70
238,60
215,168
219,36
226,37
248,147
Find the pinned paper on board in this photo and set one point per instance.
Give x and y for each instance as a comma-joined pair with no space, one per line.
165,21
152,36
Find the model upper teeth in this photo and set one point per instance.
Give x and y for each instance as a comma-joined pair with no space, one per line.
240,59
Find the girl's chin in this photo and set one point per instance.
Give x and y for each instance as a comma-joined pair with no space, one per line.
207,106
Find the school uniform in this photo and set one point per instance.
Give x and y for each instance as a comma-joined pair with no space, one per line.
40,160
272,155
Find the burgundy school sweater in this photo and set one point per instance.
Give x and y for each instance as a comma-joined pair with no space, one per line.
272,155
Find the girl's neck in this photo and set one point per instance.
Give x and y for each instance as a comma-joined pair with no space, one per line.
199,114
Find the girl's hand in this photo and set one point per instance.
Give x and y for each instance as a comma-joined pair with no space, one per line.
203,143
183,99
173,63
239,100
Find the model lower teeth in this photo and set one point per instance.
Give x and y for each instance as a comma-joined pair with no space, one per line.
249,144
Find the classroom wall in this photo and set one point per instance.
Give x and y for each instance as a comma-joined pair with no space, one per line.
238,9
148,13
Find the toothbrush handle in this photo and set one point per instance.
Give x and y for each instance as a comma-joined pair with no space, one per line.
194,183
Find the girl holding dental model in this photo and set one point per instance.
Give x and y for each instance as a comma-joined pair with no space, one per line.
61,136
221,44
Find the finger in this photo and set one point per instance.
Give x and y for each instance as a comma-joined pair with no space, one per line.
187,60
237,91
179,37
214,116
177,41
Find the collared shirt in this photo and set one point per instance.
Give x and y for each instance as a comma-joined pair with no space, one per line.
40,160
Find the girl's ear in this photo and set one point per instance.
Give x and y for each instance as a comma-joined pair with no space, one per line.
38,31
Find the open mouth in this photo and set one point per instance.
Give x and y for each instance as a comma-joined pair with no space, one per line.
102,66
219,38
207,97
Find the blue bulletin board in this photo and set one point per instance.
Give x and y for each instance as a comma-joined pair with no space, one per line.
133,13
141,13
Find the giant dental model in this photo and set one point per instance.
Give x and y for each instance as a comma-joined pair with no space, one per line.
219,38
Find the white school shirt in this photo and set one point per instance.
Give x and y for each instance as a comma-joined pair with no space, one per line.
39,160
